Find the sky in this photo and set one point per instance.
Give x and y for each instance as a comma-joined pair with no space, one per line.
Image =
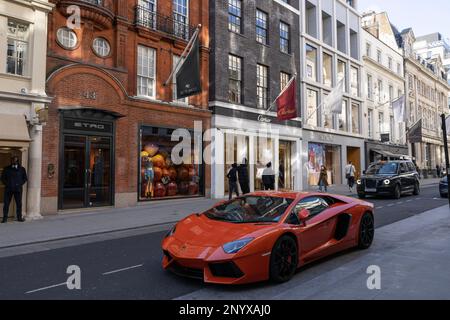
423,16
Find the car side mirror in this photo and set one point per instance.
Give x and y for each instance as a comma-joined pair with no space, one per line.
303,215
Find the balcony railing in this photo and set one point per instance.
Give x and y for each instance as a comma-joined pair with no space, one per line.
152,20
96,2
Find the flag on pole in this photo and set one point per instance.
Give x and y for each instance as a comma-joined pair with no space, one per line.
188,74
447,124
333,102
399,109
287,101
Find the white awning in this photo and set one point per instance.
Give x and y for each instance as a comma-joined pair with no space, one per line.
13,128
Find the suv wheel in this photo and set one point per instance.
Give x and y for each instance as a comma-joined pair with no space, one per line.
397,192
416,191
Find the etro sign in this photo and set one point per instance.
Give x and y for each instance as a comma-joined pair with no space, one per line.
89,126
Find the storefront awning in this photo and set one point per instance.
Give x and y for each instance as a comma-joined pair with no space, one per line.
13,129
389,154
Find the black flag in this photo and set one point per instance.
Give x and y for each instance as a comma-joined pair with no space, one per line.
415,133
188,76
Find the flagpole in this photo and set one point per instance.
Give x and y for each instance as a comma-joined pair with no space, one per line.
191,41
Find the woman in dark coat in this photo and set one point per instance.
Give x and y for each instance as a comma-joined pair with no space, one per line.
323,179
243,176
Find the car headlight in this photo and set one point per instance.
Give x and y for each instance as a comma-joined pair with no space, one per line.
235,246
387,182
171,232
358,181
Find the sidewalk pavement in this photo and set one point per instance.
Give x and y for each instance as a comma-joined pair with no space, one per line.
412,256
74,225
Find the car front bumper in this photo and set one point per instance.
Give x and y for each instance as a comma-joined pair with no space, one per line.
212,264
382,190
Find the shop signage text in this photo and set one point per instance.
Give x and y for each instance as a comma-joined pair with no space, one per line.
83,125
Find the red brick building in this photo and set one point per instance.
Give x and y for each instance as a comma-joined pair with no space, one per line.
107,141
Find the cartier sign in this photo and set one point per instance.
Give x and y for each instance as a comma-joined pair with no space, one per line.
264,119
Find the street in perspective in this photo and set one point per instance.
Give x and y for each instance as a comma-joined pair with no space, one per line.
241,151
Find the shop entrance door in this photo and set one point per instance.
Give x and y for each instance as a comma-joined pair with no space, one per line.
285,177
354,155
5,160
87,171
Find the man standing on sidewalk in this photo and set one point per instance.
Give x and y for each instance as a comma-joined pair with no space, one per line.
232,181
350,173
13,177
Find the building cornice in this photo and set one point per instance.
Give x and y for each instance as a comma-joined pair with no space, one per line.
23,97
377,65
421,67
35,4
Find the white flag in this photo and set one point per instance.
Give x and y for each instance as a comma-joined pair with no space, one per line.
333,102
447,124
399,109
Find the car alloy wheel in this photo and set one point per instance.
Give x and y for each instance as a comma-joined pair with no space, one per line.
366,231
284,259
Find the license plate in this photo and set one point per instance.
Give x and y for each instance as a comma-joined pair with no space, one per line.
371,190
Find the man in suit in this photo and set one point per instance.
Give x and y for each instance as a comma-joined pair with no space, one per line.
13,177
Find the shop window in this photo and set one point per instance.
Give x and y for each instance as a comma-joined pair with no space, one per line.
324,155
343,123
341,74
327,70
161,175
264,155
311,107
311,62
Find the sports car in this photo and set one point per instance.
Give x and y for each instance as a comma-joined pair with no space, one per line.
266,235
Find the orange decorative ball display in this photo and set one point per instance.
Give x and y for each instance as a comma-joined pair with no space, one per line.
172,189
183,174
183,187
158,161
160,190
192,173
172,174
158,174
151,149
144,154
193,188
166,173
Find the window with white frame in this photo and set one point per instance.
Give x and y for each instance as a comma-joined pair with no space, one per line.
66,38
234,79
262,86
101,47
17,52
261,26
369,86
354,73
146,72
175,61
181,19
284,80
284,37
234,15
370,123
147,15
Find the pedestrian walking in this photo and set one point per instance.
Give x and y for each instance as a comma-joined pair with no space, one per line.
243,176
438,170
268,177
13,177
323,179
232,181
350,174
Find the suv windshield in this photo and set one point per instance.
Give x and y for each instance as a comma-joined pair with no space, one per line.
250,209
383,168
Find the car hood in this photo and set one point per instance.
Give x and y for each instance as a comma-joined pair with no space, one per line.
199,230
378,176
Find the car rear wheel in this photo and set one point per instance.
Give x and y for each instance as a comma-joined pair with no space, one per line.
397,192
366,231
283,259
416,191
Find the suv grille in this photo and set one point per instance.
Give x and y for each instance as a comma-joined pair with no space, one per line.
371,183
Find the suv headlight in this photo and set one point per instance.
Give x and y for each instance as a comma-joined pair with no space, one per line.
358,181
387,182
235,246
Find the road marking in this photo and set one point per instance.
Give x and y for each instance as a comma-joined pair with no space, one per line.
123,269
390,205
379,207
408,200
46,288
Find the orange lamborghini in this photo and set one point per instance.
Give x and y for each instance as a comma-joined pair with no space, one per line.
266,235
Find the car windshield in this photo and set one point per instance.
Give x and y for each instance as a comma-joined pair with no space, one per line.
383,168
250,209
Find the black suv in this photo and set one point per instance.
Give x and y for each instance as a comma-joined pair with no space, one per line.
389,178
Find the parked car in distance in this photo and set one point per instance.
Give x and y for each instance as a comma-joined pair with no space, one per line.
389,178
443,187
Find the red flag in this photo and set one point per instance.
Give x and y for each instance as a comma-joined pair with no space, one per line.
287,102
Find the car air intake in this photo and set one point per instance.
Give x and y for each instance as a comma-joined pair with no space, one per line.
167,254
225,270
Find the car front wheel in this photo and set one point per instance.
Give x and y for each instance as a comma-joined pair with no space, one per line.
416,191
366,231
284,259
397,192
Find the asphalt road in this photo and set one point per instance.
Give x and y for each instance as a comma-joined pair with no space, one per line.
130,267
